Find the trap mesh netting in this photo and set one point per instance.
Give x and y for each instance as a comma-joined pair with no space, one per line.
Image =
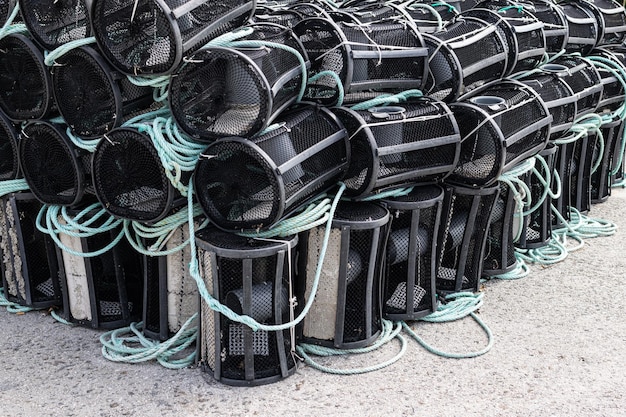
555,29
151,37
56,22
584,26
92,96
238,90
9,164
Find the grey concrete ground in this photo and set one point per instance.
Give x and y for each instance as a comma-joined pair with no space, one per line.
560,346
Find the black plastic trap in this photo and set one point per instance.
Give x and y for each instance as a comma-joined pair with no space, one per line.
431,17
555,29
585,26
9,162
613,135
613,93
612,20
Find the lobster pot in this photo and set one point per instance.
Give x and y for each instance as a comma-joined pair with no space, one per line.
92,96
9,163
383,56
612,134
151,37
346,311
252,277
502,124
537,226
238,91
413,142
25,81
613,21
54,23
423,17
468,53
170,295
584,26
558,97
613,93
582,77
56,170
368,12
556,29
129,178
104,291
246,184
411,253
29,260
522,32
462,237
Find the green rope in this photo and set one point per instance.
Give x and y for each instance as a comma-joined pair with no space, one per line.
60,319
553,252
387,99
129,345
9,27
518,187
50,57
389,332
520,270
88,145
589,227
338,84
398,192
13,186
455,306
432,11
12,307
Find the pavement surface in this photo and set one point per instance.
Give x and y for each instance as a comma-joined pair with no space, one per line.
559,350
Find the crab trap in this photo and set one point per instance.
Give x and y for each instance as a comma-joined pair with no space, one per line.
613,92
255,278
56,22
9,162
57,171
151,37
502,124
410,267
468,53
612,20
415,141
102,291
250,184
346,311
29,264
462,237
92,96
170,295
25,81
555,29
431,17
239,89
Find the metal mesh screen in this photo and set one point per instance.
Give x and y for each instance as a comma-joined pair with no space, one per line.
129,178
25,85
152,37
9,164
54,23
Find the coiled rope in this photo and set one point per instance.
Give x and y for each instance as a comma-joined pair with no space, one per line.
12,307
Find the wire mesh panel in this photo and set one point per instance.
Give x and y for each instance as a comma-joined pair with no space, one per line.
56,22
388,56
468,53
416,141
170,292
556,29
92,96
612,134
559,98
252,277
613,21
152,36
462,237
252,184
499,257
239,90
346,312
25,82
29,261
502,124
537,226
103,291
411,254
584,26
9,163
56,170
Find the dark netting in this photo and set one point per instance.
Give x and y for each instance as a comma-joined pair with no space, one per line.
416,141
25,82
423,17
154,306
32,280
556,29
582,77
612,134
92,97
613,21
151,37
583,24
56,22
564,168
537,226
366,12
613,93
251,277
239,90
6,7
346,311
9,163
558,97
265,13
129,178
523,32
468,53
411,252
580,174
499,257
56,170
244,184
462,235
